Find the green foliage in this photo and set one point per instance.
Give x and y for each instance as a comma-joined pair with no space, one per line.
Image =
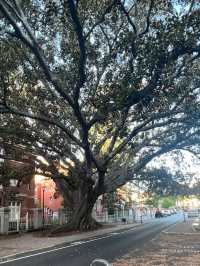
167,202
153,201
103,86
160,201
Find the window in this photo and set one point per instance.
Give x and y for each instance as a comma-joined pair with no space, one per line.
13,182
1,153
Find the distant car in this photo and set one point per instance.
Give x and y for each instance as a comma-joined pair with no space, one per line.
173,211
196,224
166,212
158,214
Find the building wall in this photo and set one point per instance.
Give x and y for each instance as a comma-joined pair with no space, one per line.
22,195
45,193
18,191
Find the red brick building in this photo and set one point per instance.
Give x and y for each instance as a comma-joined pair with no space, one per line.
20,187
46,195
17,181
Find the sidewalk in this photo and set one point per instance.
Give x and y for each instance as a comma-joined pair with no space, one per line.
13,244
182,228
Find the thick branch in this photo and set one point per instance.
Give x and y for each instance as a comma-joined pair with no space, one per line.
11,110
122,7
102,18
32,44
148,19
82,60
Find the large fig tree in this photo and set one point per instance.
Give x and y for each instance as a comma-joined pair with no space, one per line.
99,87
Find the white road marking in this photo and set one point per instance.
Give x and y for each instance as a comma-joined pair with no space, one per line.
102,261
114,234
77,243
132,229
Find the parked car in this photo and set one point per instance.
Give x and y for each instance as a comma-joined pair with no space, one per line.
158,214
166,212
173,211
196,224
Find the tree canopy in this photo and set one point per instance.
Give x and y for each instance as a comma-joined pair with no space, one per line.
101,87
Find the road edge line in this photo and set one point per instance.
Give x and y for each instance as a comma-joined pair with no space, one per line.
58,246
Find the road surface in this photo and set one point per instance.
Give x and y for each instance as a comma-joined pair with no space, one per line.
109,246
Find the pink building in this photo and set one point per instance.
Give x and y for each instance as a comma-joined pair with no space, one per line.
46,195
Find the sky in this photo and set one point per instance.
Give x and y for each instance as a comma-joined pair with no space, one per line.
187,164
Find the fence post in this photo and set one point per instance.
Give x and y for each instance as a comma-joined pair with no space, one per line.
116,215
62,216
4,220
141,218
37,218
18,217
184,218
106,215
27,217
134,215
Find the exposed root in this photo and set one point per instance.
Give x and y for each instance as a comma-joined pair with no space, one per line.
86,224
62,229
89,224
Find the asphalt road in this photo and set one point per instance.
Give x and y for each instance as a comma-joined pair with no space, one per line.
109,246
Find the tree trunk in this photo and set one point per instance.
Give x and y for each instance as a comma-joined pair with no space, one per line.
81,218
80,202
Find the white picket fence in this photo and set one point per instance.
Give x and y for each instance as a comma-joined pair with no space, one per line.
124,216
14,218
11,220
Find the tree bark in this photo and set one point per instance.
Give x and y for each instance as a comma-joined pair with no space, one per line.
81,218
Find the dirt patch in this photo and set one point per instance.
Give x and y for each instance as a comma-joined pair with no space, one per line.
183,227
10,236
166,250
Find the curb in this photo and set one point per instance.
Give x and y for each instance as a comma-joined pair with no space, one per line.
166,232
176,233
73,242
171,226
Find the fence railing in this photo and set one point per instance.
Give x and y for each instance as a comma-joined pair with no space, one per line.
13,226
10,221
121,216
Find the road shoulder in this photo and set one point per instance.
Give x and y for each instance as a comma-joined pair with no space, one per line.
177,245
28,244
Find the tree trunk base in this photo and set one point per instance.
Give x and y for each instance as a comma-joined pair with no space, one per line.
84,225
